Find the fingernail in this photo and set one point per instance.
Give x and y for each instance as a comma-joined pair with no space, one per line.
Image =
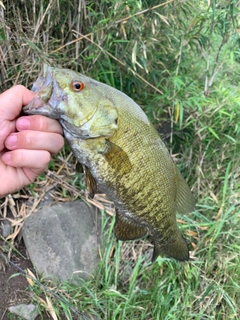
23,123
6,157
11,141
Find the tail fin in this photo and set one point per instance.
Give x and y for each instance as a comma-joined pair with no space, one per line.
177,249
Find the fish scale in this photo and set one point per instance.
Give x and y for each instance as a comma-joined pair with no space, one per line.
145,170
122,154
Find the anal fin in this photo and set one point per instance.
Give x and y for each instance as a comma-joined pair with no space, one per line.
128,229
177,249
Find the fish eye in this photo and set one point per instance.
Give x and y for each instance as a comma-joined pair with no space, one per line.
77,86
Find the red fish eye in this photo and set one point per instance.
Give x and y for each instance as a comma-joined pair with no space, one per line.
77,86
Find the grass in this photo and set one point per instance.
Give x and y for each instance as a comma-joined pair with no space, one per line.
179,61
135,289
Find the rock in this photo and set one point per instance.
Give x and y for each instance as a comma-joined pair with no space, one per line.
28,312
61,241
6,229
3,261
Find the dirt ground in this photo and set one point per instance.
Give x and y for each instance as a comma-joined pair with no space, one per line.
13,285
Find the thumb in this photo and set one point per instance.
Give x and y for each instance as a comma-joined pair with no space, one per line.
12,101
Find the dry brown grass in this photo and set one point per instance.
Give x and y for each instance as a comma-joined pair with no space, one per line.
157,55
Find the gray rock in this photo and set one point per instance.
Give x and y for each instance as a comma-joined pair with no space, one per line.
28,312
62,241
6,229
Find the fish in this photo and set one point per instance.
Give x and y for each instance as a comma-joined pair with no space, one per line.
122,155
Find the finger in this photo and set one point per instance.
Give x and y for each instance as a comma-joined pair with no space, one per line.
38,123
35,140
34,159
13,100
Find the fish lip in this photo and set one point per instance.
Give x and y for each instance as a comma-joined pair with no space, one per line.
35,108
44,81
44,88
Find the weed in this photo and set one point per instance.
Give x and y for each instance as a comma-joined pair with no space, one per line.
180,61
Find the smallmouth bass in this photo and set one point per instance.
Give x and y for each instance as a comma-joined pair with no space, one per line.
121,153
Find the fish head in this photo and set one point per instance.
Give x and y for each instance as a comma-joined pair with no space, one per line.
71,98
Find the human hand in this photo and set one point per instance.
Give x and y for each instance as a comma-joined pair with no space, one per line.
26,143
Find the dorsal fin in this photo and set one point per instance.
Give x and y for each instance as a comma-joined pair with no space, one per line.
184,199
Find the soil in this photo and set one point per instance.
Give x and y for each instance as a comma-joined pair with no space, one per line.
13,285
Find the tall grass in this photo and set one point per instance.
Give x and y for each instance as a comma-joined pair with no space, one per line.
179,61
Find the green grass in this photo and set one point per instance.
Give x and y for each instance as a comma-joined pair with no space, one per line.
180,62
204,288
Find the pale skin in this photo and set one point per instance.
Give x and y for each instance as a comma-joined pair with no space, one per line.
26,143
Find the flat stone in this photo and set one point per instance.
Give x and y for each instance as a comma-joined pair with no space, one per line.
26,311
62,241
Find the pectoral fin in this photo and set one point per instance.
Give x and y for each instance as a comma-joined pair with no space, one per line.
127,229
117,158
91,184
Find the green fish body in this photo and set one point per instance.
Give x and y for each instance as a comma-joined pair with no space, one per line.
122,154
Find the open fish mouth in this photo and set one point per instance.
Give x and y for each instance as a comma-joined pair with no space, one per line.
44,102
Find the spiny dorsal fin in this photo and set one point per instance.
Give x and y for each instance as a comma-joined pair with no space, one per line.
184,199
127,229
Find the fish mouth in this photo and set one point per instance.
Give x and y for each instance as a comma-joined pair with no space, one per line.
43,102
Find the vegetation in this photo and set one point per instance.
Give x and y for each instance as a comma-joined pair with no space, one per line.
180,61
